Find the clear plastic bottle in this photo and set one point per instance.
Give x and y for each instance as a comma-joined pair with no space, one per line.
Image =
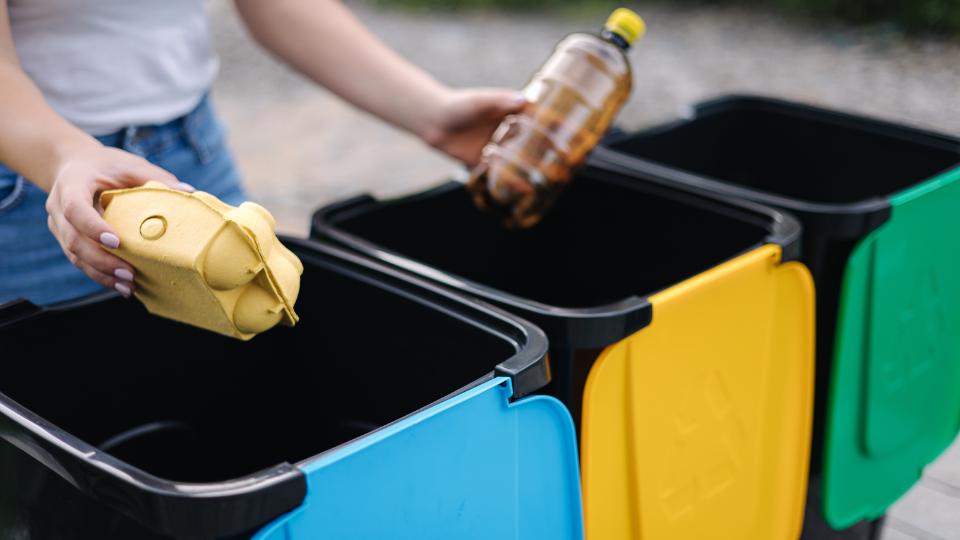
572,101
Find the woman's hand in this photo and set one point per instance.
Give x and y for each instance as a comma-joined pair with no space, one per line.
466,119
73,216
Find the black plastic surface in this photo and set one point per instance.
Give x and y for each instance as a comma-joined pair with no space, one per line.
583,274
185,413
594,250
804,155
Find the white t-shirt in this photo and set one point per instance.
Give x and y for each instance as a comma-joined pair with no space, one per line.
107,64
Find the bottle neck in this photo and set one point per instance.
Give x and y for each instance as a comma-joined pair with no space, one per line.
615,39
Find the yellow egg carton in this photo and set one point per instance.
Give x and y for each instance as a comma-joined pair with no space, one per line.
203,262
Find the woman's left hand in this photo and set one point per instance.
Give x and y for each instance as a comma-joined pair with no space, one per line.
466,118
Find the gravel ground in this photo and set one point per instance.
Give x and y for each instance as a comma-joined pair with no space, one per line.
300,147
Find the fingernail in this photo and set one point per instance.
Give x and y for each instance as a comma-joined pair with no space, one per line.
110,240
122,289
183,186
519,99
124,274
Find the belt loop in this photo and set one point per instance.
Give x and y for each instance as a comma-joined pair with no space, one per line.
194,124
126,138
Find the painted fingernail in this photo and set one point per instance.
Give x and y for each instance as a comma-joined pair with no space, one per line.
124,274
183,186
122,289
110,240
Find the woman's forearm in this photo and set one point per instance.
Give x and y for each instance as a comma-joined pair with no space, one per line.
324,41
34,140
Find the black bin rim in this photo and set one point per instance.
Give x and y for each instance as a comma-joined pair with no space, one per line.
600,325
234,506
874,209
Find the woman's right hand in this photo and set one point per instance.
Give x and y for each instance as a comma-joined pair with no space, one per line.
77,224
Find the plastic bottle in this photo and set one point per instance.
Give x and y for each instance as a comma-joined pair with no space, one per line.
572,101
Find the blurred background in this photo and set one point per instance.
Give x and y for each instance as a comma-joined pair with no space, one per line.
300,147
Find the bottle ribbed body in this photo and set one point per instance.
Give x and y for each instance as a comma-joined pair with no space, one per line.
532,155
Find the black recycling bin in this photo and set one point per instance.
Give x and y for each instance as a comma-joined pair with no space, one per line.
878,203
116,424
648,295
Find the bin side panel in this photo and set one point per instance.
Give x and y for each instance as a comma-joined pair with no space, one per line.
698,426
473,466
895,396
36,503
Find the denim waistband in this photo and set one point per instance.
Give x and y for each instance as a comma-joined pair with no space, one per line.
150,139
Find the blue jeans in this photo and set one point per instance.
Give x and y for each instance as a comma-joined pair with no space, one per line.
32,264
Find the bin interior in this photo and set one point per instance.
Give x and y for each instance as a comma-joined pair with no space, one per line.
213,408
795,153
601,243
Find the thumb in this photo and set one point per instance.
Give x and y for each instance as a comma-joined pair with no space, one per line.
496,102
138,171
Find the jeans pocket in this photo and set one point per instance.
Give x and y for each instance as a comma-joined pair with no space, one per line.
12,187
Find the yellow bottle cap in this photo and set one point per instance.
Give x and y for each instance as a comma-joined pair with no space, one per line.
626,24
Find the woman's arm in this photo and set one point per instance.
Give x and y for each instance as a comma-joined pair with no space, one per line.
325,42
69,164
33,138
